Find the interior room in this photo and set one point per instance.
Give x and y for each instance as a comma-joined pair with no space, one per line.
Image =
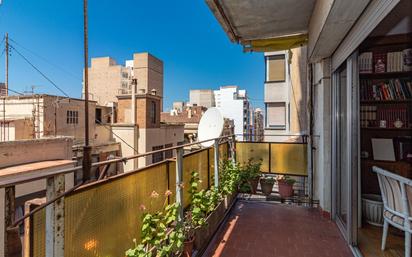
385,121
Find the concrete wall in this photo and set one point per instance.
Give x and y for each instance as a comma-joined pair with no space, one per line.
294,92
31,108
26,151
143,110
55,112
102,135
202,97
129,145
16,130
322,139
298,94
105,79
166,134
49,115
144,139
148,70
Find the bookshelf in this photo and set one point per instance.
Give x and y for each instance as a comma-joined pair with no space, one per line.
385,90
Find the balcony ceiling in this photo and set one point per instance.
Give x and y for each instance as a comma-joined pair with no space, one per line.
249,20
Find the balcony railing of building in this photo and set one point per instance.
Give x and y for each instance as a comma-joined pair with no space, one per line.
102,218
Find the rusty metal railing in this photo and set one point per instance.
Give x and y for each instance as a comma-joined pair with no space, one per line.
100,218
56,195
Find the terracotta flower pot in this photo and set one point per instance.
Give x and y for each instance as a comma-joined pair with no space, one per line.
285,189
188,247
267,186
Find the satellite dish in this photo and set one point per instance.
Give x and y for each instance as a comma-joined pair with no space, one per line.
210,126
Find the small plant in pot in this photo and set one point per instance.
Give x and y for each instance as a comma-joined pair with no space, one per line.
285,184
266,183
249,176
189,234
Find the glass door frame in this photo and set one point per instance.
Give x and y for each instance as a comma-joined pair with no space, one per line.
352,148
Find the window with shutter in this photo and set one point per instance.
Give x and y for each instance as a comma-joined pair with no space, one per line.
276,115
275,68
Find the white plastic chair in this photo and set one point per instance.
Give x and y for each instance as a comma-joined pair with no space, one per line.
397,201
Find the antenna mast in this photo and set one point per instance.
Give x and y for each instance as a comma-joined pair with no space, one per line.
7,64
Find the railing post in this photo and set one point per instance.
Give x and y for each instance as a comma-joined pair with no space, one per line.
55,217
9,207
233,149
179,181
216,163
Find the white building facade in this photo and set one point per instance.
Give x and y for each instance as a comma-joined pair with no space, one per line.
233,104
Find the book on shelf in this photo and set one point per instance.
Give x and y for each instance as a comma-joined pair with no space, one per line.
385,90
382,61
407,59
365,62
393,114
394,62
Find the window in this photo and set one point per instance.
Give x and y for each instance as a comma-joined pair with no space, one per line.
98,115
275,68
153,112
72,117
276,115
157,157
168,153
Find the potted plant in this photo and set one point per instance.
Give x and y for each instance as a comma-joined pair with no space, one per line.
229,180
161,233
286,186
249,177
189,234
266,184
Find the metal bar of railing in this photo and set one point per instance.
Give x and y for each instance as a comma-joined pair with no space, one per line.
43,205
16,181
108,162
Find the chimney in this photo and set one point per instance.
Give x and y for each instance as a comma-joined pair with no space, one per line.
189,113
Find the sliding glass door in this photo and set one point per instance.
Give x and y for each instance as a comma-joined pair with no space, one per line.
345,147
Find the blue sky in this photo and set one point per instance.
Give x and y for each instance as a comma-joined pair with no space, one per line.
184,34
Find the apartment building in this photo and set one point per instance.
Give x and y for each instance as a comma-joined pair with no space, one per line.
139,129
189,118
234,104
179,106
258,125
46,116
202,97
285,95
108,79
136,124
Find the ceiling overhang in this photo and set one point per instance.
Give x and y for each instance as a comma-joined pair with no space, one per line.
264,25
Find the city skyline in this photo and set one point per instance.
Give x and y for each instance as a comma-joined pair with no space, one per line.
35,31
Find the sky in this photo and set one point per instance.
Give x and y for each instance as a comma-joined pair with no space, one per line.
196,52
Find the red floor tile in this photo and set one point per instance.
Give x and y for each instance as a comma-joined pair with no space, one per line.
266,230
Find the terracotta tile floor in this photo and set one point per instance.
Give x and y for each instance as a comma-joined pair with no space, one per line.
265,229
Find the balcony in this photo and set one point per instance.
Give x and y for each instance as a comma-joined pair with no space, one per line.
103,217
268,229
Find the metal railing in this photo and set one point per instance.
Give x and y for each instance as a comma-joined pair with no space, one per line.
102,217
59,219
